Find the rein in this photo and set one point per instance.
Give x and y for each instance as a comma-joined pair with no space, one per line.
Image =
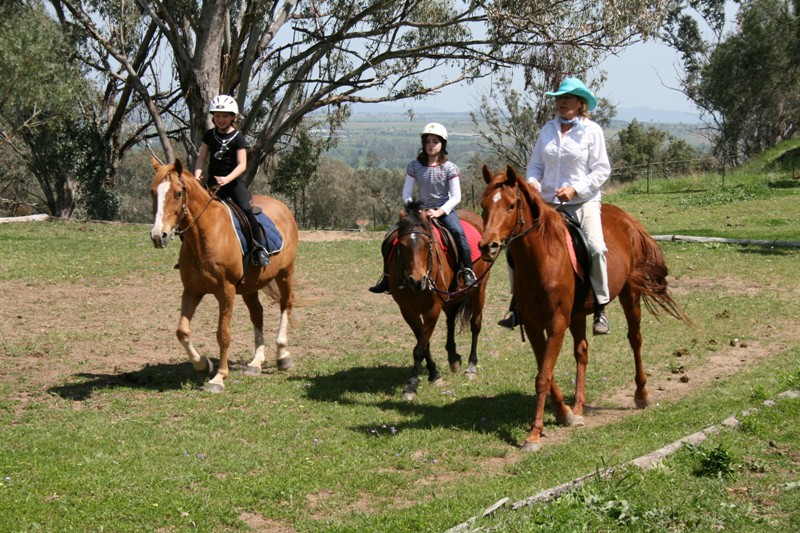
519,224
404,276
443,294
185,211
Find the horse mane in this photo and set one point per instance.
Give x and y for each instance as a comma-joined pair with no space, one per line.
177,174
547,220
548,223
413,217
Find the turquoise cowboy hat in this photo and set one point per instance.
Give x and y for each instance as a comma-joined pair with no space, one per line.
576,87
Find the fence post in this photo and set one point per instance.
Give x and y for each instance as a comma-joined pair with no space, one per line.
724,162
649,162
472,189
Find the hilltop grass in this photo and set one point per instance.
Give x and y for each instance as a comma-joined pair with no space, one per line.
330,445
754,201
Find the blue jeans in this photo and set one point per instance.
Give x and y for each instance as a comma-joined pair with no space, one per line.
453,225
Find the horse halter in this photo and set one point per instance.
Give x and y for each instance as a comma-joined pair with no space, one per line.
517,231
404,275
184,212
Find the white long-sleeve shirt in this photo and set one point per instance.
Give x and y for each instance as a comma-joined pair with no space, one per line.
577,159
439,185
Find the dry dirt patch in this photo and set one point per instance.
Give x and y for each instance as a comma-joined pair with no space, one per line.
51,332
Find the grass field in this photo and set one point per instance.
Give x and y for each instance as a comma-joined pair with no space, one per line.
106,428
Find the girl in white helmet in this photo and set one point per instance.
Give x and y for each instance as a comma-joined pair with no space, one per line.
228,149
439,188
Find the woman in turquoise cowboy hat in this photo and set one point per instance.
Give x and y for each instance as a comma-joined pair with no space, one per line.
568,166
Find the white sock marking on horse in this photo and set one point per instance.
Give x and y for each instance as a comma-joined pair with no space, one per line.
281,340
258,355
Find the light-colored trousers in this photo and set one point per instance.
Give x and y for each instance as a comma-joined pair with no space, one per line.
588,216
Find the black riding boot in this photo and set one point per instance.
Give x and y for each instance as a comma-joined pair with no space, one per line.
512,318
260,254
383,283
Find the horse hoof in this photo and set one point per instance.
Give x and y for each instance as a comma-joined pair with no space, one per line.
409,396
641,403
455,367
216,388
574,420
530,447
284,364
252,370
207,369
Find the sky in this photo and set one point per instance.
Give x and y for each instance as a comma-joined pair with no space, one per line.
643,75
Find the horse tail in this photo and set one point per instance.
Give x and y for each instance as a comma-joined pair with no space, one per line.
650,278
464,313
271,290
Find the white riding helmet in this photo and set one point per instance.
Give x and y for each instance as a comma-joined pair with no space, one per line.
436,129
223,104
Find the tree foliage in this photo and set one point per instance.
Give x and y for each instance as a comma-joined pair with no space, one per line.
637,150
296,171
747,83
35,111
287,61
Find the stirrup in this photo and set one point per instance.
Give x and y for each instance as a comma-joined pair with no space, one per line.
600,325
468,275
260,256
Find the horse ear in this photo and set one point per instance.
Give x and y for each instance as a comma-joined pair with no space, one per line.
178,165
487,174
155,162
511,174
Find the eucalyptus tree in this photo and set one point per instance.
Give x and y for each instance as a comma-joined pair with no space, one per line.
745,81
290,61
39,87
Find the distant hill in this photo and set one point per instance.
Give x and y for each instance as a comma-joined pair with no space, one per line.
626,114
656,116
390,133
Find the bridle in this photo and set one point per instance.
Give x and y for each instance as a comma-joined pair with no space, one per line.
445,295
404,274
184,212
517,231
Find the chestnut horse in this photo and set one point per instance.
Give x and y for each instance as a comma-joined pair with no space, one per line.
516,216
211,262
423,283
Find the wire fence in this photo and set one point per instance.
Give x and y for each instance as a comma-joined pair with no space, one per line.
666,169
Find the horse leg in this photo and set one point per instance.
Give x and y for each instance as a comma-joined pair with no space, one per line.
283,359
256,310
217,383
434,377
581,352
453,356
633,315
422,333
189,303
478,301
546,350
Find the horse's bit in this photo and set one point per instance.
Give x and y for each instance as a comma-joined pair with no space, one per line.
404,274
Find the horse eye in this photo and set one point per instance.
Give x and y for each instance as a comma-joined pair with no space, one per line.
178,194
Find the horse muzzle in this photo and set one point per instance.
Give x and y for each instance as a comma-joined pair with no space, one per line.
160,240
489,250
420,285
